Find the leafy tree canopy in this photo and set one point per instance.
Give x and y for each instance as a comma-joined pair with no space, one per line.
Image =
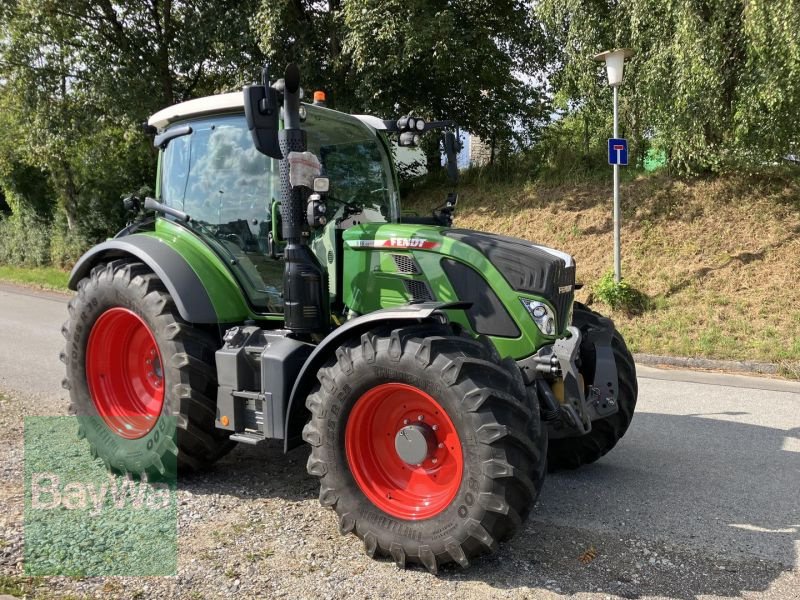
714,82
467,60
78,77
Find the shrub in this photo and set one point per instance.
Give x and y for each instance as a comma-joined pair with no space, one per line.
620,295
66,246
24,239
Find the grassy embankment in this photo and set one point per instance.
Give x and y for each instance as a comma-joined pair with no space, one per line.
718,259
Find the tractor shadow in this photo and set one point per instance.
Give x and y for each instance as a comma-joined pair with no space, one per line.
685,506
261,471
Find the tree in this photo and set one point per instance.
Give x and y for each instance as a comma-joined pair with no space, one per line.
78,77
464,59
712,81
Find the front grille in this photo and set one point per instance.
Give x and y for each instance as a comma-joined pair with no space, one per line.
418,290
405,264
562,302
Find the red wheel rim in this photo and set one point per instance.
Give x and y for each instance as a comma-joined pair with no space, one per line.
397,488
125,373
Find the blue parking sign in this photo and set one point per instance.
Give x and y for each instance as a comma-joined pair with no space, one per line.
617,151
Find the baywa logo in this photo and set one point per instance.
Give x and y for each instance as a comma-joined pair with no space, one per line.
83,521
48,492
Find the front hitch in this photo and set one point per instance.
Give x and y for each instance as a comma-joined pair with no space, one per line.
582,403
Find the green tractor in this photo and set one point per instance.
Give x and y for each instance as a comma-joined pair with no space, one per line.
274,290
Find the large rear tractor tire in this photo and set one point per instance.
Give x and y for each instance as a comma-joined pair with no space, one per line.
426,444
142,381
573,452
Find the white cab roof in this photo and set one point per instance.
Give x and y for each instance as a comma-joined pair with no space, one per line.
231,102
192,108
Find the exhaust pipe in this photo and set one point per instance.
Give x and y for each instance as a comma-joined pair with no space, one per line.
305,285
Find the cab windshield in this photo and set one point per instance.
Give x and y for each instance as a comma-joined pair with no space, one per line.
228,188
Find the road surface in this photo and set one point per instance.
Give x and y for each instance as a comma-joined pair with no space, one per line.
702,497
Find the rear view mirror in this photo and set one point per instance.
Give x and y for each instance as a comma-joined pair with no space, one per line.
261,111
451,152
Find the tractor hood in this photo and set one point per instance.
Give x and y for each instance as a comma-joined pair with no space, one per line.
389,264
527,267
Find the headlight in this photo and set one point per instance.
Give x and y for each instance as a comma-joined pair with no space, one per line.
541,314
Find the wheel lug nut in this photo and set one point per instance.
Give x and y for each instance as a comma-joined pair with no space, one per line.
434,460
420,418
441,445
405,421
435,427
148,361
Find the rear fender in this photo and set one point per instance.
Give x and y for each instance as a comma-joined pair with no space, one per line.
182,283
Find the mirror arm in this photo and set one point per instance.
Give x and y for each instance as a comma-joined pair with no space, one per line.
155,205
164,138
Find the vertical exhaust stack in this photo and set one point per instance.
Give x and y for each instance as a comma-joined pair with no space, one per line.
305,289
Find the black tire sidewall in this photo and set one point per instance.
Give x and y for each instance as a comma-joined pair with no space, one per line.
127,455
573,452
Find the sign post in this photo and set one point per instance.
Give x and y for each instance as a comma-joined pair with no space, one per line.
617,148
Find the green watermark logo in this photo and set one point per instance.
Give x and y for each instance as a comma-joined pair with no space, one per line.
82,520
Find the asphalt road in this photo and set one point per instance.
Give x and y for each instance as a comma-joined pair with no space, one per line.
704,490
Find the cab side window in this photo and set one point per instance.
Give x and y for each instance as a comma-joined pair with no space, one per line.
227,187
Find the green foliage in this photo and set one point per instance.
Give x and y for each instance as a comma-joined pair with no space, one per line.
459,60
712,84
568,153
29,240
24,239
620,295
76,80
67,245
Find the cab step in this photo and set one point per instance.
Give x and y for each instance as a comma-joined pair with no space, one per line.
248,437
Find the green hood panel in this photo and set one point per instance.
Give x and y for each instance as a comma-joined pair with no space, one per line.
389,264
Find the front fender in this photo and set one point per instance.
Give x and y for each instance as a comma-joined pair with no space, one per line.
296,411
182,283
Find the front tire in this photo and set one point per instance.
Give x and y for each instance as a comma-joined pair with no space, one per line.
573,452
486,453
142,381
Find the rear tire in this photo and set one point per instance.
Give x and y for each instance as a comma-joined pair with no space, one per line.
495,432
120,303
573,452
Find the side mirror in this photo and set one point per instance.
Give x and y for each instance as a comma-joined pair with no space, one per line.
451,152
261,111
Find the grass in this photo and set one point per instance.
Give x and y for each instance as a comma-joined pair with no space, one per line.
717,259
48,278
18,587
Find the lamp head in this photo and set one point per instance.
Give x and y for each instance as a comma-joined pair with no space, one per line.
615,63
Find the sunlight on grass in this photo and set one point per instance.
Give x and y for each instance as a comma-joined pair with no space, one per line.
718,258
42,277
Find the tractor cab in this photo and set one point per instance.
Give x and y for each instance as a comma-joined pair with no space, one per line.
212,171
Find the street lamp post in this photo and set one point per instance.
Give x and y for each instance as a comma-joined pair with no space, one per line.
615,63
